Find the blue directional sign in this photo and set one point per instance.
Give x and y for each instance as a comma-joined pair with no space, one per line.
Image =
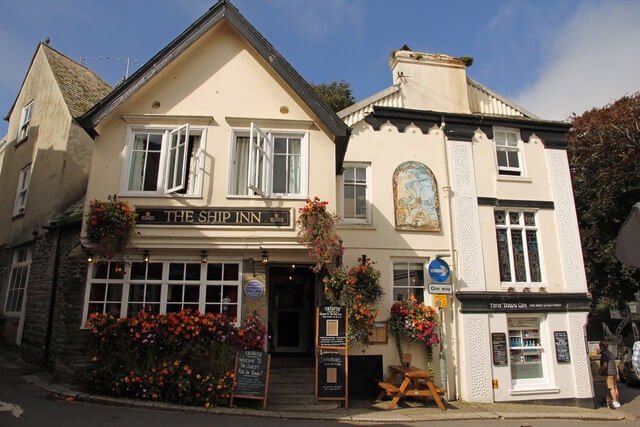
439,270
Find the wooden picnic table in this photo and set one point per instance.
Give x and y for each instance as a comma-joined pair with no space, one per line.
415,382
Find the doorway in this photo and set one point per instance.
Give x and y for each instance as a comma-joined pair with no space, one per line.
291,309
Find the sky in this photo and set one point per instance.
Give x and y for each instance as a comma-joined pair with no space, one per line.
553,57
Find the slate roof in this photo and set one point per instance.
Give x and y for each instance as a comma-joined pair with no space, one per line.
81,88
223,9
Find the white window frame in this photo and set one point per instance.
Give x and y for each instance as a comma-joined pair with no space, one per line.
24,267
266,192
506,170
368,194
22,191
546,382
162,189
165,282
508,227
407,261
25,119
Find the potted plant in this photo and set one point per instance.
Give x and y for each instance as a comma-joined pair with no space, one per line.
110,225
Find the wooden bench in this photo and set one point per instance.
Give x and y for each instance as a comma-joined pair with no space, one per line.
387,389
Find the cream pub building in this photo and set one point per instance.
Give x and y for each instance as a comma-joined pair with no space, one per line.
217,142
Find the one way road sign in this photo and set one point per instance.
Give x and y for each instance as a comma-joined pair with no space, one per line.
439,270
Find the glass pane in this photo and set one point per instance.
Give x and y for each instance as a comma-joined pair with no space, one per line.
280,174
349,201
534,256
171,163
512,139
214,272
174,293
151,171
153,308
192,307
418,294
349,174
518,255
514,218
501,138
132,309
400,275
116,270
212,308
153,293
95,308
294,146
100,270
230,294
155,142
114,292
499,217
136,293
174,308
136,174
193,271
529,218
97,292
293,180
416,274
154,271
502,158
231,272
140,141
503,256
230,310
18,303
513,159
176,271
213,293
138,270
192,293
113,308
361,175
280,145
361,202
401,294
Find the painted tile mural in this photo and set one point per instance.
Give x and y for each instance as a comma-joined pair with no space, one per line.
415,197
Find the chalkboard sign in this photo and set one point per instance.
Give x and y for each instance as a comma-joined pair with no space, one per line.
499,347
331,376
332,327
562,346
252,375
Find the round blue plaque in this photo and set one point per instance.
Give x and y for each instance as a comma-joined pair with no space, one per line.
254,289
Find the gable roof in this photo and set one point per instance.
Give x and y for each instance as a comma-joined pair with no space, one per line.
81,88
222,10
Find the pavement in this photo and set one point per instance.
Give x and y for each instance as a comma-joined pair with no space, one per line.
25,376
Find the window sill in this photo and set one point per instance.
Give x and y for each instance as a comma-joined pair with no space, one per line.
294,198
11,314
513,178
520,285
525,390
355,226
18,215
18,143
161,196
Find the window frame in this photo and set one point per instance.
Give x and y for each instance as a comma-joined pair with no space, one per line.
165,282
407,261
25,120
161,190
368,194
15,265
525,242
268,172
545,351
22,191
508,171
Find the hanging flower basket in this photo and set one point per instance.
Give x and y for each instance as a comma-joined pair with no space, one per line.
316,231
110,225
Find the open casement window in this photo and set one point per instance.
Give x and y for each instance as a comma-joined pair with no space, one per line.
508,154
22,191
177,159
25,118
260,144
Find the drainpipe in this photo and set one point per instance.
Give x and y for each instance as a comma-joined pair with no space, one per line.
52,296
454,261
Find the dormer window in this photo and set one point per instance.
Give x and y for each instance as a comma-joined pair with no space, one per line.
25,119
164,161
508,152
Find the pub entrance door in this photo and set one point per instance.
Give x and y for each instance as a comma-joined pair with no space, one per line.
291,308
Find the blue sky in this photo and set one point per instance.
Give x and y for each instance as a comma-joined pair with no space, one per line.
554,57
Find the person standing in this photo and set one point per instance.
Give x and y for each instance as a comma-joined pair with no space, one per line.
608,369
635,358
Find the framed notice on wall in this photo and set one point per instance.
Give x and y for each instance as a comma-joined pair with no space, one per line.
332,327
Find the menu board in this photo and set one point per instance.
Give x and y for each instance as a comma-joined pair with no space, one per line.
252,374
499,347
332,327
562,346
331,375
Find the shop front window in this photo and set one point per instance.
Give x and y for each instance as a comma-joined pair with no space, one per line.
525,348
162,287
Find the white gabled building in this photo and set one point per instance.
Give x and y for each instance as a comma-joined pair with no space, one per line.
515,326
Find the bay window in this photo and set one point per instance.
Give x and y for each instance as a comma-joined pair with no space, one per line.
268,163
164,161
518,247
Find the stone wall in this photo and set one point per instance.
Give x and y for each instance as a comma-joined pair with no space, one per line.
255,271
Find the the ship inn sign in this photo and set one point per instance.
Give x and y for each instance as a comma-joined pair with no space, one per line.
214,216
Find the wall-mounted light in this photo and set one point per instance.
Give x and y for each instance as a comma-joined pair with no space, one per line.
145,257
89,258
526,289
203,257
293,266
265,257
290,278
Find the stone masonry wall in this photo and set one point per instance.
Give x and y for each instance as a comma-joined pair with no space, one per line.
258,305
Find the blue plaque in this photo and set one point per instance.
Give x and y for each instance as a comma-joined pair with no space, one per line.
254,289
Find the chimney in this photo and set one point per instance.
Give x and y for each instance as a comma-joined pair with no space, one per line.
430,81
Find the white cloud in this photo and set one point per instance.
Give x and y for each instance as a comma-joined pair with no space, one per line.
592,61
